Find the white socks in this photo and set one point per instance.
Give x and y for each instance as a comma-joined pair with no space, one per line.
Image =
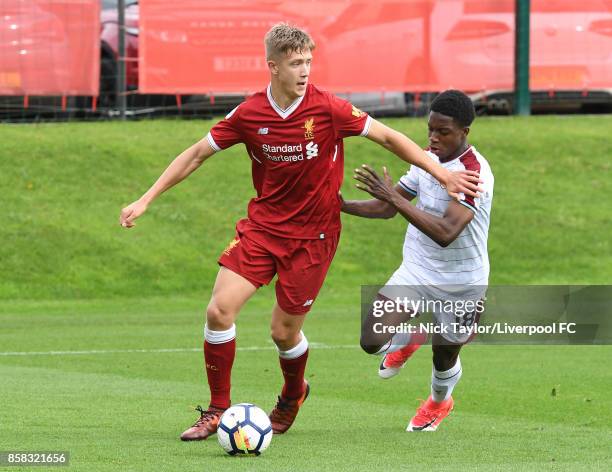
219,337
443,383
295,351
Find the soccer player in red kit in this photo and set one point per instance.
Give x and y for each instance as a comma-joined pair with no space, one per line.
293,135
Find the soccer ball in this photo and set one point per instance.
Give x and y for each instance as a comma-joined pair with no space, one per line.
244,429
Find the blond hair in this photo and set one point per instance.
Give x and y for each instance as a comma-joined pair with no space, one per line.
284,38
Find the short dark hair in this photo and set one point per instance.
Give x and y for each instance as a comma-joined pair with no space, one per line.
457,105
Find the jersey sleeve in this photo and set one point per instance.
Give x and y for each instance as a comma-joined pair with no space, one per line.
226,132
474,203
348,119
410,181
470,162
469,202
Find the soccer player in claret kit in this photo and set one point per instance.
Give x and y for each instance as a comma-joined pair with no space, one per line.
292,132
445,255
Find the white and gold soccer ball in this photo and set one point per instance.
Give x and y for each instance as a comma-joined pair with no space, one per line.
244,429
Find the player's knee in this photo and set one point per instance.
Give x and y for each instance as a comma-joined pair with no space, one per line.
283,337
370,341
445,356
218,316
369,346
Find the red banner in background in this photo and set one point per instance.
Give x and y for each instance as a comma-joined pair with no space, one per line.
194,46
49,47
191,46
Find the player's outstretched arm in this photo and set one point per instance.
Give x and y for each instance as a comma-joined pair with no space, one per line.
373,208
443,230
181,167
455,182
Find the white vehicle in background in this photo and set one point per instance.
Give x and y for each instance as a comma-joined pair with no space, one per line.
570,54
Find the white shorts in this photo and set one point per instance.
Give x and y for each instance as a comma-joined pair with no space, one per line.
455,308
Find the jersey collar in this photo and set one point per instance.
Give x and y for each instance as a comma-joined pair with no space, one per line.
470,148
284,114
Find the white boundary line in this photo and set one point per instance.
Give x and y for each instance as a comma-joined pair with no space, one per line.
153,351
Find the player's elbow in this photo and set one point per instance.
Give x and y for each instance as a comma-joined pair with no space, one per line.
388,212
446,236
383,210
444,242
441,235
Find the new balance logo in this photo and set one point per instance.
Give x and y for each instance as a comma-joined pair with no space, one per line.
312,150
308,303
262,131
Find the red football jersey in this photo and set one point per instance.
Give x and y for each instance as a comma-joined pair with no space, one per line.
297,158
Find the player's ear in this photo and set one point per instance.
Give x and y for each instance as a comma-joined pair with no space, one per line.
466,131
273,67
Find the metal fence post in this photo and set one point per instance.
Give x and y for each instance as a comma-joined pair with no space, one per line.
522,97
121,98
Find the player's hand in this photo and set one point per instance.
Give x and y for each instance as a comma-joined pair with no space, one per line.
131,212
382,189
464,181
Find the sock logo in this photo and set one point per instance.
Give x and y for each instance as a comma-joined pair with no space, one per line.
212,367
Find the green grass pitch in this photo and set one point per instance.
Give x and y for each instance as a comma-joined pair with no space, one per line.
112,320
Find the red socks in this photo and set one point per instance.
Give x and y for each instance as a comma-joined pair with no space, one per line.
293,365
293,372
219,353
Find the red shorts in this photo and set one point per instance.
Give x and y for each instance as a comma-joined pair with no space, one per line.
301,264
